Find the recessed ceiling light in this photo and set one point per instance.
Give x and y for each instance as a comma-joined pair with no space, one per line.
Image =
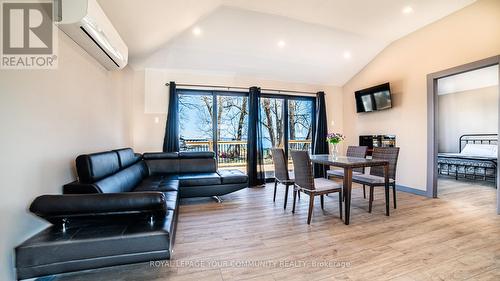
407,10
196,31
281,44
347,55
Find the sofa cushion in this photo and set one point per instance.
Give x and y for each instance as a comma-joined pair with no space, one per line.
125,180
196,155
53,251
210,190
158,183
160,155
126,157
195,179
172,199
77,187
204,165
171,196
232,176
93,167
161,163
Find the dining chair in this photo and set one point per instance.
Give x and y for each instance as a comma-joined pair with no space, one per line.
305,182
376,176
352,151
281,174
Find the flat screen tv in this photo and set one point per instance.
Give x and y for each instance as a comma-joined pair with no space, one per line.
374,98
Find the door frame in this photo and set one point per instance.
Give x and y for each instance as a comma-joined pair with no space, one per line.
432,119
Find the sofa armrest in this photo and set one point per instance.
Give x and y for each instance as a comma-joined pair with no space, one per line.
59,208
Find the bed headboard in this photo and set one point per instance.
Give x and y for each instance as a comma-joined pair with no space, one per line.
477,138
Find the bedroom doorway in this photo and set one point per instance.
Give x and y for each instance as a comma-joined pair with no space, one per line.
463,125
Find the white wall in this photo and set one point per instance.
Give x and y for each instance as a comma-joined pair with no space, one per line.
150,100
467,112
47,118
468,35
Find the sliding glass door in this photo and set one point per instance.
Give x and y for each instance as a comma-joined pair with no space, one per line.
215,121
287,122
300,124
196,121
232,131
272,112
218,121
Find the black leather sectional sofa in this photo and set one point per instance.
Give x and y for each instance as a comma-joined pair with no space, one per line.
123,209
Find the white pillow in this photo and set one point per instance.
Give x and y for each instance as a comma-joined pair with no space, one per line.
484,150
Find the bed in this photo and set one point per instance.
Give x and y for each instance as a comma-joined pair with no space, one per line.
477,159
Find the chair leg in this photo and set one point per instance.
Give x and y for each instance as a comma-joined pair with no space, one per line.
394,194
311,205
298,194
340,203
387,196
275,187
294,199
286,196
322,202
364,192
370,203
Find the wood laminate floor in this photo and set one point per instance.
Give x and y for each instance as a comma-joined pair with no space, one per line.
248,237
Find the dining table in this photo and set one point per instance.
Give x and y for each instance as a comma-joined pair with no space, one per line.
348,164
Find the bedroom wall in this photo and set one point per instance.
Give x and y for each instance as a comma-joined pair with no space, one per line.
468,112
150,100
468,35
48,117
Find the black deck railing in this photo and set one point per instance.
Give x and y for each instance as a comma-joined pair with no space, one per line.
234,153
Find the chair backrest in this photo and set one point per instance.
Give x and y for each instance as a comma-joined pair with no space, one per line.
303,170
385,153
357,151
280,164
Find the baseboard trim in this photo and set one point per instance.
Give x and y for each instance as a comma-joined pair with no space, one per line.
411,190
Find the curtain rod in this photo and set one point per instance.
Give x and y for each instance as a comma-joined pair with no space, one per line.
242,88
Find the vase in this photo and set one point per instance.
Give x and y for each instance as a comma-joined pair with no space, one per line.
334,149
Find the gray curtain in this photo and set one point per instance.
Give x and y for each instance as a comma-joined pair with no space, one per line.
320,146
255,161
171,139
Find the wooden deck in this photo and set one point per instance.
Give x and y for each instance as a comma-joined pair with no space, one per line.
455,237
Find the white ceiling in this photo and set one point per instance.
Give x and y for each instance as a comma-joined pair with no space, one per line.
146,25
240,37
477,79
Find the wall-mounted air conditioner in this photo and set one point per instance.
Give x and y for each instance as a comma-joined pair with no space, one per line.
85,22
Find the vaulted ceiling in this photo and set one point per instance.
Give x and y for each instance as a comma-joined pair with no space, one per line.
308,41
